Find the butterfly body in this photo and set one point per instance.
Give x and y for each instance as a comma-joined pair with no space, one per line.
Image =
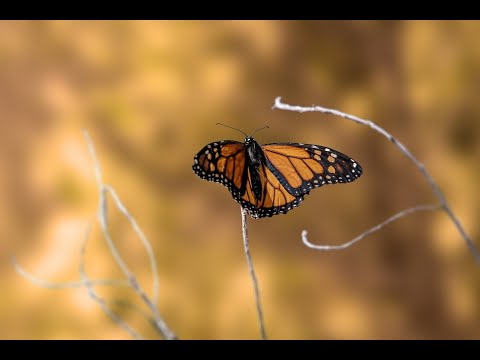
255,161
273,178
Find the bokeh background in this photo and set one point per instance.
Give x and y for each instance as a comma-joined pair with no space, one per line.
150,93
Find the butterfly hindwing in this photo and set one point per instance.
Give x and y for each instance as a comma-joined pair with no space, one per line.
275,199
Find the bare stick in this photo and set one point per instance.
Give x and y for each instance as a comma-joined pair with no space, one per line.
103,220
131,281
102,208
143,238
64,285
369,231
100,301
404,150
85,282
261,322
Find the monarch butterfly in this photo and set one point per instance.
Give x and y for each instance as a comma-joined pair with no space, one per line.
273,178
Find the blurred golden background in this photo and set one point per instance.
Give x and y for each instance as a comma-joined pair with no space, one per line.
150,93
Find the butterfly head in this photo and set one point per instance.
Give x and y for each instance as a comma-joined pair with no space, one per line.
252,148
249,140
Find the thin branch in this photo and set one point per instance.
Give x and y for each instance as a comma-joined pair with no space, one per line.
160,324
404,150
102,208
65,285
369,231
85,282
158,319
143,239
256,289
103,220
100,301
138,310
131,281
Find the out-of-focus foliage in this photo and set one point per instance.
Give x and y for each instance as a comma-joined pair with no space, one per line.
150,94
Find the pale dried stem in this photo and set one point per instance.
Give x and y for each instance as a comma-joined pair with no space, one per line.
405,151
261,322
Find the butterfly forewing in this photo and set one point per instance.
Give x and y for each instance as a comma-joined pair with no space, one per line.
223,162
302,167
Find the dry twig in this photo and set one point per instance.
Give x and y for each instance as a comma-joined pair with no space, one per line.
131,281
444,206
256,289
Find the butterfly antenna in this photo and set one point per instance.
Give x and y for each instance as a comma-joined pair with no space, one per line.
231,127
265,127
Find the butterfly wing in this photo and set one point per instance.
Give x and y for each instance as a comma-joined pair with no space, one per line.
302,167
223,162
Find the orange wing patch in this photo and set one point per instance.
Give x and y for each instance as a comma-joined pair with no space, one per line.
302,169
230,166
288,150
221,164
283,164
238,169
269,195
231,149
314,165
